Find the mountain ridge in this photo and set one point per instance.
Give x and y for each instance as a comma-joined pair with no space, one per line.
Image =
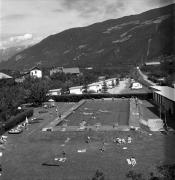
114,42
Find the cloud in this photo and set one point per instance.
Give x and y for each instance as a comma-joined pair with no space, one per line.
111,8
20,40
14,17
42,17
82,6
57,10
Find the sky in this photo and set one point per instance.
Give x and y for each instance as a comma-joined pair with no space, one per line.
24,22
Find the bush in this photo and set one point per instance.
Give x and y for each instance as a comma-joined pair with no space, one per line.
167,171
76,98
98,175
17,119
134,176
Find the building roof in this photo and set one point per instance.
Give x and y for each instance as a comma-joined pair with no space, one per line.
5,76
57,69
152,63
76,87
54,90
34,68
96,83
165,91
74,70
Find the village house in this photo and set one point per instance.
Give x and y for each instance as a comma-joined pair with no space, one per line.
73,71
56,70
36,72
22,77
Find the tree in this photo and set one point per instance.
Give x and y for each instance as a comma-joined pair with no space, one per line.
134,175
65,89
85,87
113,85
104,87
10,98
38,91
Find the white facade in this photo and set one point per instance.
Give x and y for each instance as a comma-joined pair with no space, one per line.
36,73
110,82
164,97
152,63
95,87
76,90
54,92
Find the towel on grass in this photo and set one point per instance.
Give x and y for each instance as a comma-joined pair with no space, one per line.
128,161
81,151
54,162
131,161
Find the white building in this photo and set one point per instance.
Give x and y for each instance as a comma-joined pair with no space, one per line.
36,72
54,92
95,87
76,90
111,82
153,63
164,97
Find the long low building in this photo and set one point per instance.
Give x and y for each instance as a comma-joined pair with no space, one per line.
54,92
164,97
76,90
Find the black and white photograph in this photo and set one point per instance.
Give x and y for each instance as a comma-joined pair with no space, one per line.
87,89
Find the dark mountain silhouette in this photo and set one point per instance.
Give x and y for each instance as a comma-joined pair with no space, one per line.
113,43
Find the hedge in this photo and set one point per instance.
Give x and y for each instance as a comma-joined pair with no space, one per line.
77,98
17,119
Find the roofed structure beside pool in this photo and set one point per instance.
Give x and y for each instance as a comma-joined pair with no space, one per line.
5,76
164,97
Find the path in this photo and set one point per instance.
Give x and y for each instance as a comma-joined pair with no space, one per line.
134,113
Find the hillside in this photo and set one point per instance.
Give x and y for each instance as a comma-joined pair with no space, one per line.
7,53
114,43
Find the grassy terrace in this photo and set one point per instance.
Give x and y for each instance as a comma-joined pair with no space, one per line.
24,153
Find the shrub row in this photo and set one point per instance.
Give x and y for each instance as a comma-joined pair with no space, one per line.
17,119
76,98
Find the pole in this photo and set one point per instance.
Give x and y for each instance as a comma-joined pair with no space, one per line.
160,111
166,121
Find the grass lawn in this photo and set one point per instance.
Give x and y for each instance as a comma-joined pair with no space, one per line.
25,153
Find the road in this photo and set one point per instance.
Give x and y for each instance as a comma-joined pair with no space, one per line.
145,77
